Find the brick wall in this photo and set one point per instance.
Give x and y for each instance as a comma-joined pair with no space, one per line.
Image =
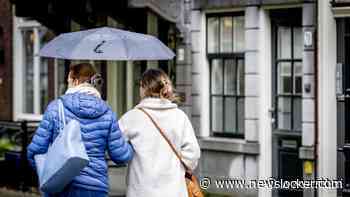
6,68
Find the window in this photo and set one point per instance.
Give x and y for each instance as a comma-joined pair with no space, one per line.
225,46
225,34
31,72
289,71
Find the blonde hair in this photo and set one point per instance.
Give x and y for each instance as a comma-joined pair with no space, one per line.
156,83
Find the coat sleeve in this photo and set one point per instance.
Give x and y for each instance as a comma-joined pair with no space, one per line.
119,150
190,150
43,135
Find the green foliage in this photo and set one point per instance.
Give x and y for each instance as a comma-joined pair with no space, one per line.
5,145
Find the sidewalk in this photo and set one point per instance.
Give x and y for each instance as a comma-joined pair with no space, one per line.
4,192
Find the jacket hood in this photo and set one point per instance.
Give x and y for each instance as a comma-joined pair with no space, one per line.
156,103
84,105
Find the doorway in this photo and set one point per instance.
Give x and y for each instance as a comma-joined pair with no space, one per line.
287,46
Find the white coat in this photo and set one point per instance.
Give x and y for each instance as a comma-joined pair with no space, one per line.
155,171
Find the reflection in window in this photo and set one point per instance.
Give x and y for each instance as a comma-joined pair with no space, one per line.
298,42
238,34
284,42
227,99
226,34
213,35
216,76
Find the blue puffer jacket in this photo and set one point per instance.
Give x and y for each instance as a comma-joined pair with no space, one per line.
100,133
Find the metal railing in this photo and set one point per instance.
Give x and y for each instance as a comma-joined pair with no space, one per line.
15,169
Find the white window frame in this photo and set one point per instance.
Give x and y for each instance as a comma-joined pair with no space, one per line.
18,105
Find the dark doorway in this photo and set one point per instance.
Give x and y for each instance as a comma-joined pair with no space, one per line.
343,104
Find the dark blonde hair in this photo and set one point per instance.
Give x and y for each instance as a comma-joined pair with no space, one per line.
82,72
156,83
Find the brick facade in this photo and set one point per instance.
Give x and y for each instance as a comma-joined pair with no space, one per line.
6,68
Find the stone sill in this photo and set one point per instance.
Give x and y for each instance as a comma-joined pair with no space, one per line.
229,145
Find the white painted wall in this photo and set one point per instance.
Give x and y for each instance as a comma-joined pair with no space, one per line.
265,136
327,99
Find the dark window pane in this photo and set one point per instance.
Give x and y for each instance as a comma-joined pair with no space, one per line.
230,77
240,115
216,77
230,114
217,113
213,35
284,113
298,72
44,94
285,78
284,42
45,36
240,77
297,114
61,78
347,26
28,41
226,34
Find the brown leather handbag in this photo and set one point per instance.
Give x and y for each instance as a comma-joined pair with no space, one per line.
193,187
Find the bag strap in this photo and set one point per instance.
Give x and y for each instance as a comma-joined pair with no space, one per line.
161,131
61,116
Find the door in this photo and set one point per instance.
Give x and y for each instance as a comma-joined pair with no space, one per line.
287,47
343,104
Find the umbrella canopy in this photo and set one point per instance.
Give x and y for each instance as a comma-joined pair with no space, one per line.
106,43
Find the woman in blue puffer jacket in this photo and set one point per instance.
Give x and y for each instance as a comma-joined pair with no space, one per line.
99,127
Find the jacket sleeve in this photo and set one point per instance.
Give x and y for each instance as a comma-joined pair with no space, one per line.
190,150
119,150
43,135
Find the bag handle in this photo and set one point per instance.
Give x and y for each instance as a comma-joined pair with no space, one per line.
61,114
161,131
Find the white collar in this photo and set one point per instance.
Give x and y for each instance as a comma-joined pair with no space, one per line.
84,88
156,103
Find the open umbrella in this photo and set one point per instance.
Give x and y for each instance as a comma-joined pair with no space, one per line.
106,43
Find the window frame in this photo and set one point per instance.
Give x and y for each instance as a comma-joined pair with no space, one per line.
224,56
21,24
221,15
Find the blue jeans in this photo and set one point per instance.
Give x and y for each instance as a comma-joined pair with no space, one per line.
72,191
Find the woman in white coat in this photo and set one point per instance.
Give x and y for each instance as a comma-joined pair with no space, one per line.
155,171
